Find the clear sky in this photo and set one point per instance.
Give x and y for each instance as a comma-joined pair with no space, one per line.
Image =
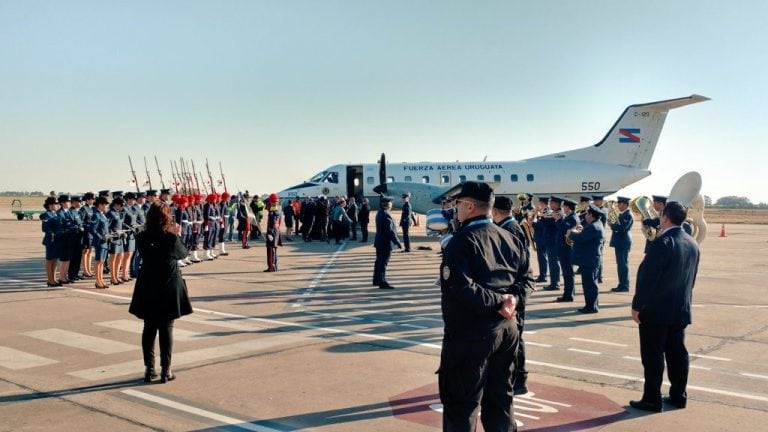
279,90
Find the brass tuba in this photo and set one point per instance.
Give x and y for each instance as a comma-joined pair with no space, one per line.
612,208
642,207
686,192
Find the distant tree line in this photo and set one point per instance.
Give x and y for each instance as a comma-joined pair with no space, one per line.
733,201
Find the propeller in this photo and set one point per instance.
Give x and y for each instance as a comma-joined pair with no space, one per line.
381,188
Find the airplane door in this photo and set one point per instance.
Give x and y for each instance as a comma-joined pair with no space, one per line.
355,181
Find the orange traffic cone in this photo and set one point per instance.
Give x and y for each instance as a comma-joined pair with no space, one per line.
722,231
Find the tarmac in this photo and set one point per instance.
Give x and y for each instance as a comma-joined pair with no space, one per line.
315,347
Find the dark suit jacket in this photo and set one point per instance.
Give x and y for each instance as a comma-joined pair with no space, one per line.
665,279
160,293
386,232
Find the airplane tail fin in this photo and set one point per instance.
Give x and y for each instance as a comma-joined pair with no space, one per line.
632,139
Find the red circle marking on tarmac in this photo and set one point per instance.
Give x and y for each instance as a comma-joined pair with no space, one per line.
545,408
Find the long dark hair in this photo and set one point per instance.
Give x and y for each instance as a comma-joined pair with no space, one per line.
159,219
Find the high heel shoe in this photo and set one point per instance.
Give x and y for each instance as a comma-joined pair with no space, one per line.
122,279
115,282
166,375
55,284
149,374
100,286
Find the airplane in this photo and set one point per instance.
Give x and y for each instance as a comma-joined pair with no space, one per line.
621,158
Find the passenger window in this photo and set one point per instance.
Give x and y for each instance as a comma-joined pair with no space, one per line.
369,180
425,179
445,179
408,178
529,177
497,178
513,177
462,178
480,177
390,179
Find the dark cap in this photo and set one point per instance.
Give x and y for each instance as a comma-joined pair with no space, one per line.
130,195
622,199
103,193
585,198
77,198
63,197
165,191
571,204
660,198
555,199
117,194
529,195
594,210
597,197
49,201
151,192
544,199
118,201
476,190
406,195
101,200
502,203
141,195
88,195
384,200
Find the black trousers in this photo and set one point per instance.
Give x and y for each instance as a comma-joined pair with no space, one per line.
656,343
364,231
151,329
477,374
76,256
406,237
521,373
380,266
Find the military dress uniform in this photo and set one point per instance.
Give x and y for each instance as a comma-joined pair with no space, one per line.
604,221
386,237
480,266
76,241
587,249
621,241
540,238
98,227
565,251
273,236
51,226
551,243
406,220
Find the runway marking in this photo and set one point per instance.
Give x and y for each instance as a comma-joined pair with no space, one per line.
709,357
699,367
584,351
224,419
598,342
538,344
81,341
187,357
632,358
16,360
746,374
439,346
137,327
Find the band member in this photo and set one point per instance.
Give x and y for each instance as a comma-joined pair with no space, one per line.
565,250
386,237
550,239
659,201
581,210
597,200
406,220
539,237
587,248
621,241
273,236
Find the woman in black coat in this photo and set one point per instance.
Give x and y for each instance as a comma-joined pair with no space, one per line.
160,295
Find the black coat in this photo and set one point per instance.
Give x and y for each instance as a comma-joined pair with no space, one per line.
665,279
160,293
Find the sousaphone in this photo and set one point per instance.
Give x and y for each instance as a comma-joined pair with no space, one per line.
686,191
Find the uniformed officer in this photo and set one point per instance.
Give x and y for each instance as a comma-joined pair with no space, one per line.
525,208
86,214
273,236
502,217
51,226
386,237
131,225
565,250
621,241
659,201
482,276
116,247
165,195
597,200
550,240
76,239
141,218
587,248
583,206
539,237
67,236
99,229
151,198
406,220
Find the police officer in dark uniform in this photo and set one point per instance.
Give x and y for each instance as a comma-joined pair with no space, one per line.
564,249
482,278
621,241
502,217
406,220
550,240
539,237
386,236
587,248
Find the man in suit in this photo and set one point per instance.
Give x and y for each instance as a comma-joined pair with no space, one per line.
662,309
386,236
621,242
587,248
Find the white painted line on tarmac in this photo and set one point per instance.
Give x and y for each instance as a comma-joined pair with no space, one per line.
334,316
584,351
415,326
699,367
81,341
709,357
537,344
632,358
598,342
746,374
16,360
224,419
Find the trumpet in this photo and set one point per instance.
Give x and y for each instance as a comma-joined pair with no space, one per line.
576,229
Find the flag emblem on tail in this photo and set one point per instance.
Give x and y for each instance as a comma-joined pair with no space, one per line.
629,135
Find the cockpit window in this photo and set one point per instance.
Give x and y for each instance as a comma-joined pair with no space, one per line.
325,176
